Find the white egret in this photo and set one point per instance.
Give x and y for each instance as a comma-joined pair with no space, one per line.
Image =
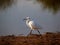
32,25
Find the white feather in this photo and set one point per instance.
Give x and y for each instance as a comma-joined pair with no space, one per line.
31,24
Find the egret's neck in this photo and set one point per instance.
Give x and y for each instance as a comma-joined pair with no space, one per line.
27,21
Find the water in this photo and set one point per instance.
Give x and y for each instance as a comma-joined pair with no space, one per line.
11,18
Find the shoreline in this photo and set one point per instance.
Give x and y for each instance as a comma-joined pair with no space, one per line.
48,38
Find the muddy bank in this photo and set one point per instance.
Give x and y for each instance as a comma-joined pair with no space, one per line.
44,39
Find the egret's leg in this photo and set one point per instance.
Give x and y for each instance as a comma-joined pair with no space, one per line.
38,31
30,33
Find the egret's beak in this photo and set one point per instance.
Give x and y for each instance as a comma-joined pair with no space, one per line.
24,19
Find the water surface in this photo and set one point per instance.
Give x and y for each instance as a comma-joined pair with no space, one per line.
11,18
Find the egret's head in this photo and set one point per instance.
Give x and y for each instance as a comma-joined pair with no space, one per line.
27,18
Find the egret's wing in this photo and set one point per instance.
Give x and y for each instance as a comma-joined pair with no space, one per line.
38,26
35,25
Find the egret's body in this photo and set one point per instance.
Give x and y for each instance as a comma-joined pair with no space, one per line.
32,25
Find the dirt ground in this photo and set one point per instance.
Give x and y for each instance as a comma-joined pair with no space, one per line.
48,38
